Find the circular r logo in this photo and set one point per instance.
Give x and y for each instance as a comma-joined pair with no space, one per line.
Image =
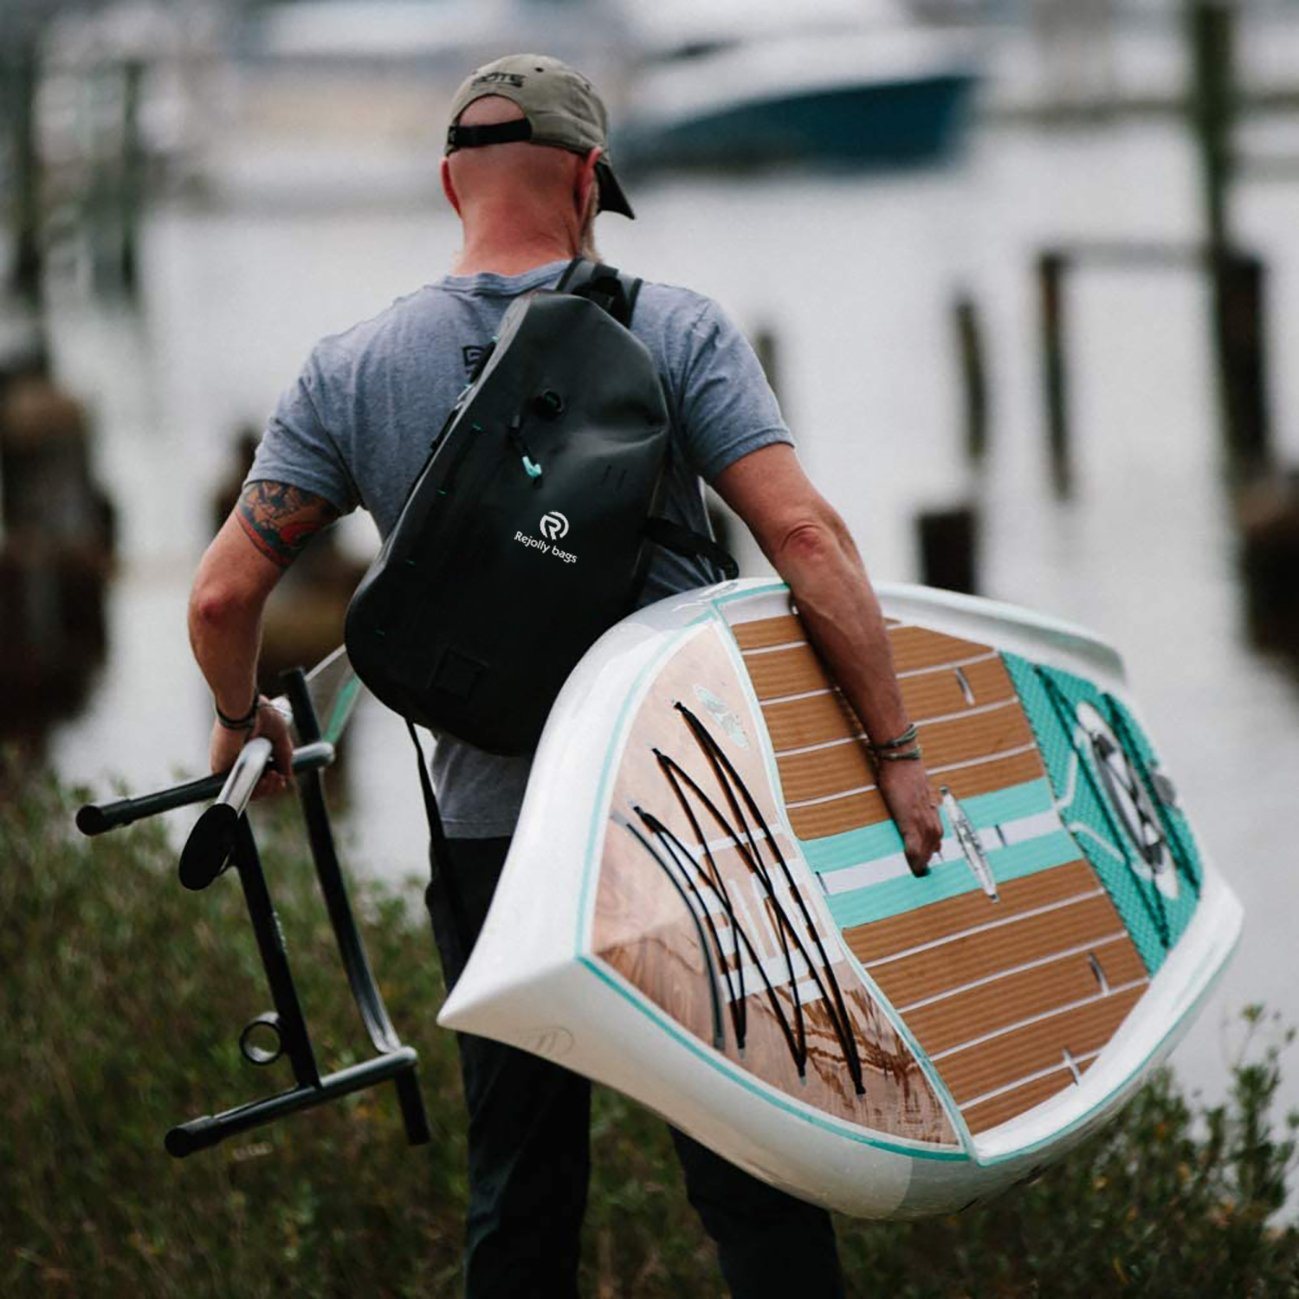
554,526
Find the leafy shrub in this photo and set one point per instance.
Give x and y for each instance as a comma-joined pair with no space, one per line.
123,996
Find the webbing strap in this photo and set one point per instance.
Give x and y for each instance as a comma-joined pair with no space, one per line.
602,284
609,288
474,137
685,541
442,875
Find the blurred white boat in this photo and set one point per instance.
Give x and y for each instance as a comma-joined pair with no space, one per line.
746,89
448,34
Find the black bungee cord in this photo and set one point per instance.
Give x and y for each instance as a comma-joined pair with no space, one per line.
719,1034
751,855
663,834
674,845
676,775
729,779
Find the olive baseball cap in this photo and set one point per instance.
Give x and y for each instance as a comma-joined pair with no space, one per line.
560,108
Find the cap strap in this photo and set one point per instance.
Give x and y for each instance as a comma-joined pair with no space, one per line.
474,137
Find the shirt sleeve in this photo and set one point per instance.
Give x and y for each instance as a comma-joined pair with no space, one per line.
299,446
727,406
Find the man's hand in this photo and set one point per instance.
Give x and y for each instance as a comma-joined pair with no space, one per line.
905,787
226,746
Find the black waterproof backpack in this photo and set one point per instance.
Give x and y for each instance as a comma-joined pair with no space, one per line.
527,533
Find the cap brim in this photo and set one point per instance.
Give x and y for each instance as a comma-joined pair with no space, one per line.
612,199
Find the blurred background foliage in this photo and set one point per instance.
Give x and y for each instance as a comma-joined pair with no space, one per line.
123,998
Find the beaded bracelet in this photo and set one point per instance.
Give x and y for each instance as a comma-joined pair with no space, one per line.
244,723
906,740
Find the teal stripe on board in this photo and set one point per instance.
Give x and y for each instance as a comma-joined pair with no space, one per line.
1013,804
853,847
951,879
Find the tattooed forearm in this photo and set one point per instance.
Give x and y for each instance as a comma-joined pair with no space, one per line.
280,519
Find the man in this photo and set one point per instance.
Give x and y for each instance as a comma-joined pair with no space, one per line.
527,170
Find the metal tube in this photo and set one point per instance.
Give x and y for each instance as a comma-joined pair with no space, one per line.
207,1131
99,818
275,959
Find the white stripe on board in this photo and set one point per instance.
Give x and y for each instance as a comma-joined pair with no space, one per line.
894,866
1039,1018
1016,969
999,756
911,672
948,667
801,694
1012,702
829,798
991,924
1028,1078
774,649
879,871
991,757
1006,833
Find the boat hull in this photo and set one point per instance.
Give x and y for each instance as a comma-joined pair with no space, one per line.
875,125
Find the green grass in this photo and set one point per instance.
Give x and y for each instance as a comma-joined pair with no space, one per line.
122,1000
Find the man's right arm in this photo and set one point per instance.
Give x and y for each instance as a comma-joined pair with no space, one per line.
265,532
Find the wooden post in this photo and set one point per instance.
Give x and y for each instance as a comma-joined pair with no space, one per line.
1051,268
1238,279
21,65
948,546
132,180
1267,513
1213,109
1239,304
974,375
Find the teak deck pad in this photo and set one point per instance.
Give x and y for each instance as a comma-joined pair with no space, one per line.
1010,999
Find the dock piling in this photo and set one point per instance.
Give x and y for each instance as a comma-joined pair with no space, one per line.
974,375
1239,304
948,548
20,64
1051,268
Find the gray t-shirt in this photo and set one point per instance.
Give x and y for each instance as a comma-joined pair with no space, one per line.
357,425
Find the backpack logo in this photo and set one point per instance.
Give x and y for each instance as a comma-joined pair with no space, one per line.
554,526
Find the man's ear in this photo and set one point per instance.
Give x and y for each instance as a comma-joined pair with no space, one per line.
448,186
586,183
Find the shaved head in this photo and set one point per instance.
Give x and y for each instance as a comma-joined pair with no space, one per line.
532,187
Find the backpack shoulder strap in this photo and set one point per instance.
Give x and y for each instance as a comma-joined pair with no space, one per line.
616,292
605,285
692,545
442,871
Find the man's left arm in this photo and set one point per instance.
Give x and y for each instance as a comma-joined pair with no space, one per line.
810,547
263,535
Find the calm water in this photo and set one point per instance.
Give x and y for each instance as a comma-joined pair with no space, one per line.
855,277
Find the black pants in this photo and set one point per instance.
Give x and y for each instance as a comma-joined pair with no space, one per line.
529,1155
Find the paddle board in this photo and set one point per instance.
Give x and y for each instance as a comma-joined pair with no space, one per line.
707,907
